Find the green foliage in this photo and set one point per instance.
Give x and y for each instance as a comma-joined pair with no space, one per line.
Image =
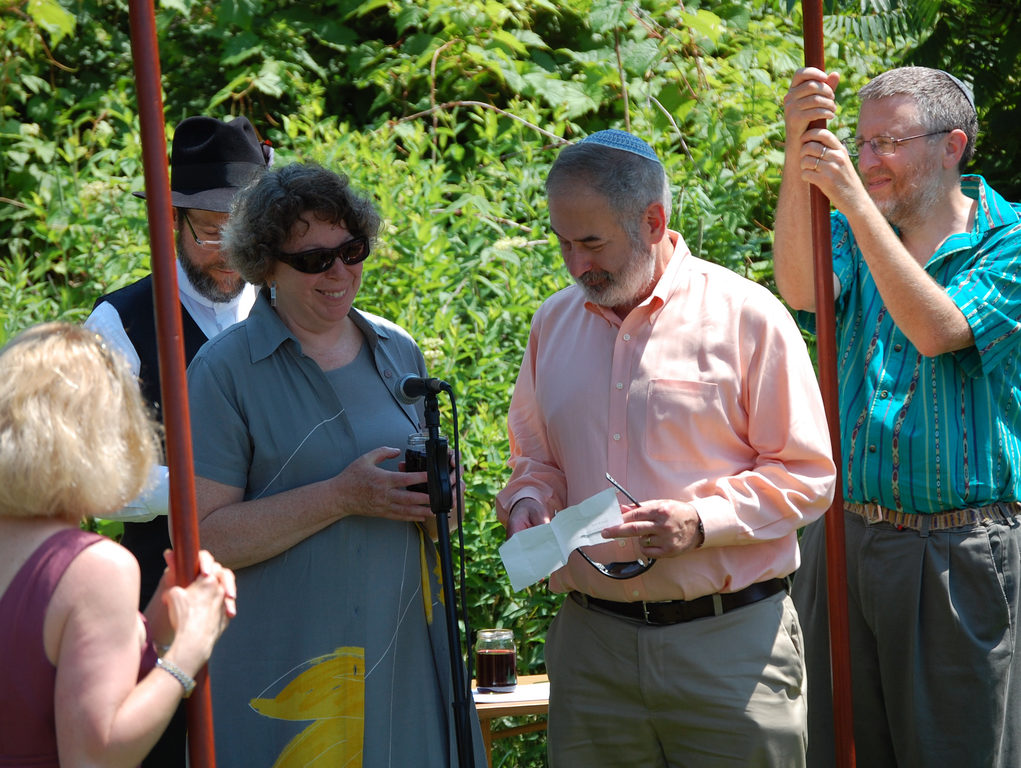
976,40
448,112
113,529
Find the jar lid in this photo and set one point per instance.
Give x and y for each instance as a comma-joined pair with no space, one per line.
494,633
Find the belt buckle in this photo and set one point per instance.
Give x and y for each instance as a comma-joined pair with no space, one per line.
648,618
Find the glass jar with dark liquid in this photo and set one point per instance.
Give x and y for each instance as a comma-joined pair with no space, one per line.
415,459
495,661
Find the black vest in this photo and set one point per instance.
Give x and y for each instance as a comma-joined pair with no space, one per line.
137,307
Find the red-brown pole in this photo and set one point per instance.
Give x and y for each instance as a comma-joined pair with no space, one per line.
170,334
836,558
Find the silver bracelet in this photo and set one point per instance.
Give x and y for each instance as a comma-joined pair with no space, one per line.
177,673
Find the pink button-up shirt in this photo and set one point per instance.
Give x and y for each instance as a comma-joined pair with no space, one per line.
704,393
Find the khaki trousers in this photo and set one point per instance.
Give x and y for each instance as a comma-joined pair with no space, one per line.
721,691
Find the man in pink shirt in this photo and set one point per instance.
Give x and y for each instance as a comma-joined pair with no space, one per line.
692,387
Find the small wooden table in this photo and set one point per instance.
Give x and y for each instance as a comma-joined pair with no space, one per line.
530,698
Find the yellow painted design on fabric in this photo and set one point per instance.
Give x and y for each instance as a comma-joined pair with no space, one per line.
427,599
438,572
324,744
331,692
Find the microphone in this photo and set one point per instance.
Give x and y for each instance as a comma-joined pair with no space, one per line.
411,388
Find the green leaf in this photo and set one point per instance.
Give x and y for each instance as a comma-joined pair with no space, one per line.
50,16
241,13
704,23
180,6
529,38
269,80
607,15
243,48
513,44
568,96
409,16
35,84
737,15
640,55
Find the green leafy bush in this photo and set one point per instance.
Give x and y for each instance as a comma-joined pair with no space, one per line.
448,112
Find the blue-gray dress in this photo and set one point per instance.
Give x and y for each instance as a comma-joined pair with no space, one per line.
338,655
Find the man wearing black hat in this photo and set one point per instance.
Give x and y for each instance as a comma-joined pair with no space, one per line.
210,161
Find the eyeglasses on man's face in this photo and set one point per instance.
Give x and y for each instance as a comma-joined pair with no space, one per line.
881,145
317,260
208,244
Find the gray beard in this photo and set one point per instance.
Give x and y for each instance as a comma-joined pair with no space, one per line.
909,211
204,283
627,288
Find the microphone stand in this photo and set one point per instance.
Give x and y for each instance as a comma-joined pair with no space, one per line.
438,468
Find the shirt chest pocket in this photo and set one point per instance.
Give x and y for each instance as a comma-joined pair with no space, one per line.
682,419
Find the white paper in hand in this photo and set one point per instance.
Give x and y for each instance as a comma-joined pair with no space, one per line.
534,553
153,501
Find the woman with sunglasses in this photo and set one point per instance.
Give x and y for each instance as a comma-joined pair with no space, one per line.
78,679
341,654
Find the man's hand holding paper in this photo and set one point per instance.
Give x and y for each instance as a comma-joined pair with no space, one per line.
534,553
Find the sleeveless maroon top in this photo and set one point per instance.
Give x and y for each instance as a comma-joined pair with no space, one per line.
28,734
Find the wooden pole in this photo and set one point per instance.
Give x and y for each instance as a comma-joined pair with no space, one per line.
170,335
836,558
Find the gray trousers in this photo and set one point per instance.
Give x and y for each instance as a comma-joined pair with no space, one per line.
720,691
932,621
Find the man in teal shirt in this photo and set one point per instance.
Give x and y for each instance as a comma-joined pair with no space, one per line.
928,310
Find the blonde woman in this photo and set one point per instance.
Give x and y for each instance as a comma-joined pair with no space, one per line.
80,680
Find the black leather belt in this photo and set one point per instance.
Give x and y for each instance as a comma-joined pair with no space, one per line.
677,611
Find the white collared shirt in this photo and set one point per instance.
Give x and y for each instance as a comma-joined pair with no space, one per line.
212,318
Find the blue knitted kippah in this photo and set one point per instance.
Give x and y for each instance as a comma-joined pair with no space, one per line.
616,139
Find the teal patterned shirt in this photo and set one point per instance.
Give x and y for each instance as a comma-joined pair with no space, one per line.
929,435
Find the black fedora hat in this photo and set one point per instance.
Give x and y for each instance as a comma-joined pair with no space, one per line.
210,161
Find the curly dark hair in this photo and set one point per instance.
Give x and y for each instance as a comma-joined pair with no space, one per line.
264,213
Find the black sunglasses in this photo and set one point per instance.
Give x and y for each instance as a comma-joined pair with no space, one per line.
625,570
317,260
